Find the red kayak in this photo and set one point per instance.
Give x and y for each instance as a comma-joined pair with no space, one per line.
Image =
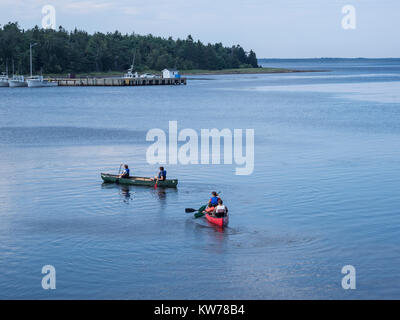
220,222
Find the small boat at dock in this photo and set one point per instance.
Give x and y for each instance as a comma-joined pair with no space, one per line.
17,81
139,181
4,80
39,82
131,75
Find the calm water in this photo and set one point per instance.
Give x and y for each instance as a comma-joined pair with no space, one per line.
324,192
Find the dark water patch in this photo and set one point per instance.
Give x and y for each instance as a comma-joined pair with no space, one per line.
270,240
246,239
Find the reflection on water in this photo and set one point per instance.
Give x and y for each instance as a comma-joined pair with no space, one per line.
128,192
125,192
161,193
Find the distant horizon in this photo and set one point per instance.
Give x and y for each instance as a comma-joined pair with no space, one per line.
333,58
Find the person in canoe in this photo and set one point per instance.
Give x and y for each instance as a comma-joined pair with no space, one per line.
162,175
213,202
220,210
125,173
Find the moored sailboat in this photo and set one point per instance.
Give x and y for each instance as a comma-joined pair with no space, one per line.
17,81
39,81
4,80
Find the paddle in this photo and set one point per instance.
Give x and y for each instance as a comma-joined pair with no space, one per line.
155,186
200,212
189,210
119,172
199,215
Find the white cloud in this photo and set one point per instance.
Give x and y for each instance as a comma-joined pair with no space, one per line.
88,5
131,11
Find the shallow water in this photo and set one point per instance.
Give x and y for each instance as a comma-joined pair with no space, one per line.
324,192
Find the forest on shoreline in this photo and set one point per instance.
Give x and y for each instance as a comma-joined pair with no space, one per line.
77,51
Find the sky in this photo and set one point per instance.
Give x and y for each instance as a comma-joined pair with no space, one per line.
272,28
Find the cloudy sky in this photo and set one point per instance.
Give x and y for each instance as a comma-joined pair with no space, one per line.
273,28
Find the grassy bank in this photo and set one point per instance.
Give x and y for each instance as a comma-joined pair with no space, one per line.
237,71
186,72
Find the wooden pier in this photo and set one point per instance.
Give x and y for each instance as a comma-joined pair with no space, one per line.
119,82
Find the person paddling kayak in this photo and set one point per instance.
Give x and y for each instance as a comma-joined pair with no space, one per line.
219,216
125,173
213,202
220,210
162,175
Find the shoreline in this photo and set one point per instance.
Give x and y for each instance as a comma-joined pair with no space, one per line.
184,73
244,71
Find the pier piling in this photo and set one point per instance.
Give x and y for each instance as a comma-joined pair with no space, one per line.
119,82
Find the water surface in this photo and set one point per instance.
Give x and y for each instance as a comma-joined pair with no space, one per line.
324,192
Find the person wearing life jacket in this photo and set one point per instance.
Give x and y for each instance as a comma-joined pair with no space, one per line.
213,202
125,173
162,175
220,210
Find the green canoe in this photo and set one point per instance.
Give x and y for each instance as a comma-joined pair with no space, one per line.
139,181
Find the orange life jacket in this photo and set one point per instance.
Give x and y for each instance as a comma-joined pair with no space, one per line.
210,209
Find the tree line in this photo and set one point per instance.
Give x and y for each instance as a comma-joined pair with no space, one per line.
61,51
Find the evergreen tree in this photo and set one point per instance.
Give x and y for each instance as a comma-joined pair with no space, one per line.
60,51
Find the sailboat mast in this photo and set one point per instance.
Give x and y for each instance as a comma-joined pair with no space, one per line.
30,56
